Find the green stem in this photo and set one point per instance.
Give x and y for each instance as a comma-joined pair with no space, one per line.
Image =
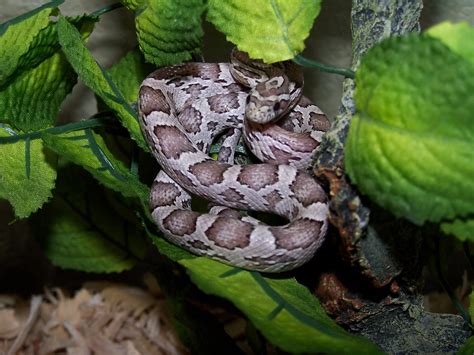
106,9
348,73
70,127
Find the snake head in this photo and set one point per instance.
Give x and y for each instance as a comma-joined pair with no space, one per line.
268,101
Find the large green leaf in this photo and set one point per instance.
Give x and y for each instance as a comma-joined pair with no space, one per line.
87,149
27,174
36,44
35,85
468,348
411,144
32,101
41,78
85,229
169,31
273,30
283,310
455,36
132,5
97,79
462,229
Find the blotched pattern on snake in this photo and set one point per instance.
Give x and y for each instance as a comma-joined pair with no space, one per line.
183,108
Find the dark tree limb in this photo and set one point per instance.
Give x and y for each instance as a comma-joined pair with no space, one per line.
375,292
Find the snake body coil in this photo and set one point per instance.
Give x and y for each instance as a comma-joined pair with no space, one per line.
183,108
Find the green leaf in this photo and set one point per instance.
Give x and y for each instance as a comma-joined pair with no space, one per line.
129,73
463,230
83,228
410,146
27,174
32,101
97,79
87,149
40,40
15,55
273,30
456,37
169,31
132,5
52,4
283,310
32,97
468,348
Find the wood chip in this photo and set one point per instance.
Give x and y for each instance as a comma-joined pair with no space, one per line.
100,318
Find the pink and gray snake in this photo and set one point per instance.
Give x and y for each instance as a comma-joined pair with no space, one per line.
183,108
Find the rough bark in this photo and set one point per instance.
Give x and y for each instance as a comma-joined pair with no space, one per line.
380,253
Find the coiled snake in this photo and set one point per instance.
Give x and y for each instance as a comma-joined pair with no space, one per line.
183,108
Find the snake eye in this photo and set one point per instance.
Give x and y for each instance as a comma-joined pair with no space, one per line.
282,105
247,100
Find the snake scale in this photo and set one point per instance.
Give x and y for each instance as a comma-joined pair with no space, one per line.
183,108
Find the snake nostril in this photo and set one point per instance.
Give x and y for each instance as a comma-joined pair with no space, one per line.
276,107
